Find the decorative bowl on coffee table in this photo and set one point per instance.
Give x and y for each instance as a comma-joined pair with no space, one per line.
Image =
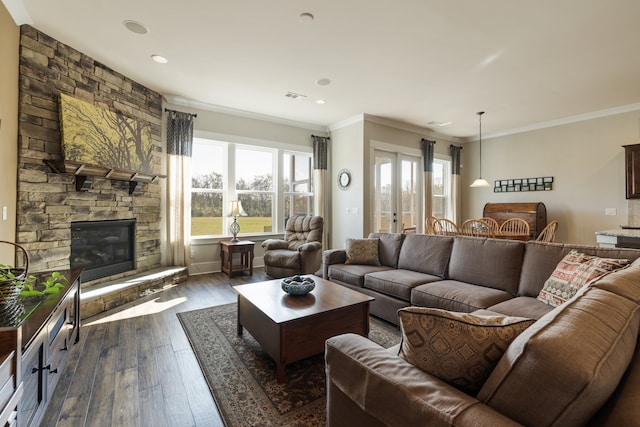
297,285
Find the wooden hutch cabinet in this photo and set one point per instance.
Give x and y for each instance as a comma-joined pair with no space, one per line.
632,170
34,350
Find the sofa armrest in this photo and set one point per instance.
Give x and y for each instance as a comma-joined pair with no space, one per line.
394,392
271,244
310,247
332,256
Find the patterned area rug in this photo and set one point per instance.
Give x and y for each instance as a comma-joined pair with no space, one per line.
241,376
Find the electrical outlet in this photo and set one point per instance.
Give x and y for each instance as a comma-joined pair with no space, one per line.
610,211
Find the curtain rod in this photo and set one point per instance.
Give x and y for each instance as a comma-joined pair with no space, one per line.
166,110
318,136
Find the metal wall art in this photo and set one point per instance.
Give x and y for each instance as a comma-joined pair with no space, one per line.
523,184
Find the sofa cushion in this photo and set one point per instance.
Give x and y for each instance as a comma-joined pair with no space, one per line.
491,263
457,296
282,258
624,282
362,251
352,274
397,283
566,365
522,306
426,253
574,271
389,247
540,259
459,348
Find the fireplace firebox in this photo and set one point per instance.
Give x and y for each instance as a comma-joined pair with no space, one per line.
103,248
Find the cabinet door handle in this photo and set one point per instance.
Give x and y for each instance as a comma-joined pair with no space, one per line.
65,348
55,371
34,370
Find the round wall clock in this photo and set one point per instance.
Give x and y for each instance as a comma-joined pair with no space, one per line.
344,179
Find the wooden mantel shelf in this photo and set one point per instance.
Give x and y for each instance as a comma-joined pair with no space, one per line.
81,171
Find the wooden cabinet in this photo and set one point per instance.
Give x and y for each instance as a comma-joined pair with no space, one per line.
40,342
632,170
535,213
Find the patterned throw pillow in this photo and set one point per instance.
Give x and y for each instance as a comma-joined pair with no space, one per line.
459,348
573,272
362,251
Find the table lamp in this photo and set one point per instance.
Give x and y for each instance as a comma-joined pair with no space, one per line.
236,211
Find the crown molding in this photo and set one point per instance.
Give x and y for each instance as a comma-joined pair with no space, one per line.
567,120
18,12
427,132
185,102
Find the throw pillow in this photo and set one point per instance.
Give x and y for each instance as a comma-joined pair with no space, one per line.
362,251
459,348
573,272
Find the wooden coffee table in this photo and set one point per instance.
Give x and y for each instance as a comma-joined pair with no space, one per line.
291,328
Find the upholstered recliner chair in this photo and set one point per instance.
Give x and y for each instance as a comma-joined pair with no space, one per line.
300,252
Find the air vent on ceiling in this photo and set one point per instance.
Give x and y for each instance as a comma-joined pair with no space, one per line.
294,95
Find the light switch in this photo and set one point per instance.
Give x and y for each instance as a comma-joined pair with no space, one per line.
4,213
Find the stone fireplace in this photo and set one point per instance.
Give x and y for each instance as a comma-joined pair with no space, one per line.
50,203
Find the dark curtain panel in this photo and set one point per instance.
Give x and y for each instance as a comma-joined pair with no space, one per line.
455,159
179,133
320,145
427,154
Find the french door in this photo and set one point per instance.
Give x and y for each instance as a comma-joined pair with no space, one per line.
397,192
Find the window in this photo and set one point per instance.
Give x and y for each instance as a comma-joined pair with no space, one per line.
254,188
297,184
207,188
442,188
222,172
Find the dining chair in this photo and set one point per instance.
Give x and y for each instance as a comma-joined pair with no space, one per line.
445,227
409,230
476,228
515,226
493,224
548,233
429,223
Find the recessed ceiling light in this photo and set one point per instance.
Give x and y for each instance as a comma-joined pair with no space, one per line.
135,27
323,82
321,101
159,59
305,18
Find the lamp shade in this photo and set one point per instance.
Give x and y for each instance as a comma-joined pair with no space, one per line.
480,182
236,209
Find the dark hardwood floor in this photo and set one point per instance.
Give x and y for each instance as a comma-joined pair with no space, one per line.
134,366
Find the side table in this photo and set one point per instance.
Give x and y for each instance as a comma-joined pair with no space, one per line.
245,249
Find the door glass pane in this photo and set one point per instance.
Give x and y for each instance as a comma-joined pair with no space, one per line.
409,193
384,210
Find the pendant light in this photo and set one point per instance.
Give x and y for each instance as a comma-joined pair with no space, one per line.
480,182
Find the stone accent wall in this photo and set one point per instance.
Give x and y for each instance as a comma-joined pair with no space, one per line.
48,202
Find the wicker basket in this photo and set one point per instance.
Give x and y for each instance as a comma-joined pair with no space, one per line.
10,303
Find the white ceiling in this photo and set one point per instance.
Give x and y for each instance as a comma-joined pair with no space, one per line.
525,63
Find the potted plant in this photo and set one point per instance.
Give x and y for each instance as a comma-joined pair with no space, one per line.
16,283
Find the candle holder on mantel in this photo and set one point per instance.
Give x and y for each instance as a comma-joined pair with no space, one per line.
236,211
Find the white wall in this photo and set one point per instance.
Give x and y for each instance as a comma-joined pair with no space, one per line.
245,130
9,45
585,158
346,153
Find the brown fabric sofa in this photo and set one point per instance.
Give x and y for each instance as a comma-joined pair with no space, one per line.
578,364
